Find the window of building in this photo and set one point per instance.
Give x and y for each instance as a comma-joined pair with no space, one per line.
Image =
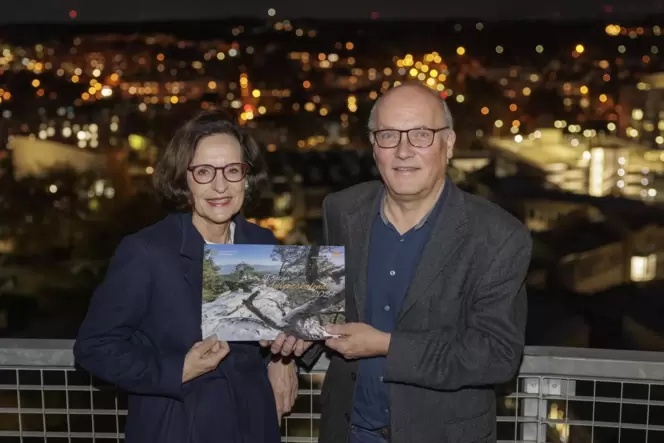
643,268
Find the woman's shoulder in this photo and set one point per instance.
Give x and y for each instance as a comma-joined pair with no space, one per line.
165,231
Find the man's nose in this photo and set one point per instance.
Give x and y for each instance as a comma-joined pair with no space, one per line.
404,149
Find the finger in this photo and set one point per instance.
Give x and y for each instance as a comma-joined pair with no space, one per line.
217,352
288,346
287,404
208,340
278,343
279,403
334,343
288,401
206,345
299,348
265,343
337,329
224,347
294,389
213,359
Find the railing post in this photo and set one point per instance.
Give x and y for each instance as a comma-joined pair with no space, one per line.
532,408
538,408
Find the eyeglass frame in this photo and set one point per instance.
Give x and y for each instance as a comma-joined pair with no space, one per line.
245,170
407,131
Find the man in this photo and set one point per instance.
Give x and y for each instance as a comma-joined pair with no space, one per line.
435,297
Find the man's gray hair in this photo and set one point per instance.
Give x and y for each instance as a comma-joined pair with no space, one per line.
447,114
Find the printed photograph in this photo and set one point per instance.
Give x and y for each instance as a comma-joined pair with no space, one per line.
254,292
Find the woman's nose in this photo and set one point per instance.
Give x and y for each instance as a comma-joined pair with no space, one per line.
219,183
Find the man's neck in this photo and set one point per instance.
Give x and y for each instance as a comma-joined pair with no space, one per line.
406,214
212,232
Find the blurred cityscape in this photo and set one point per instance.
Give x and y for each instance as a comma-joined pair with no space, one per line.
564,128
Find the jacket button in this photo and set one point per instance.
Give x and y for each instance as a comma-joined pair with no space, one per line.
353,376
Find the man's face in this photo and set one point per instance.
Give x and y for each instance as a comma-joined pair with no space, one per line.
408,170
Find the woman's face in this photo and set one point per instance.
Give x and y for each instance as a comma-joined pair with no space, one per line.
220,199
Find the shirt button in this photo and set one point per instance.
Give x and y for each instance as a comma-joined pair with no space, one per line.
387,307
392,272
381,378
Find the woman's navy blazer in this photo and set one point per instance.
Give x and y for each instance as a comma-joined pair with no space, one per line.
142,321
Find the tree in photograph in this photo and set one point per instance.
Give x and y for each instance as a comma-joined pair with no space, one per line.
290,257
310,267
212,280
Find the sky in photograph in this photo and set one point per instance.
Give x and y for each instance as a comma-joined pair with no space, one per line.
257,255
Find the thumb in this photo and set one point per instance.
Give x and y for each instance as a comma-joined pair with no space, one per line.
207,344
335,329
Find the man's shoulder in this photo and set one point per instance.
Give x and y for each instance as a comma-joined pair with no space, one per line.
489,219
366,191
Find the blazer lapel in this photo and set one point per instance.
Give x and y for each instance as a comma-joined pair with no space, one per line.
360,239
446,237
240,237
191,250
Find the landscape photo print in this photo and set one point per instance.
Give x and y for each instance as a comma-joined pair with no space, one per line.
254,292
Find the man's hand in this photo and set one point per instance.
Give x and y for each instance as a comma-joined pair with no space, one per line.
357,340
283,378
287,345
203,357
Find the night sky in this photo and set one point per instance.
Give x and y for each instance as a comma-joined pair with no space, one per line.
30,11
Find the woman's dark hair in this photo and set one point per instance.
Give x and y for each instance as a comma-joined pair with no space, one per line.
170,176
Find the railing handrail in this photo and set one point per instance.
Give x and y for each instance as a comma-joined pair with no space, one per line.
537,360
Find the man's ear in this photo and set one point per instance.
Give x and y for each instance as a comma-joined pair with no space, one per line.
449,144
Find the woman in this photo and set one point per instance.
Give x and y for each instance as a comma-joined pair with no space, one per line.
143,328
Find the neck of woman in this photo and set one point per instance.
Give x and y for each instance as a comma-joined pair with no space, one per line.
213,232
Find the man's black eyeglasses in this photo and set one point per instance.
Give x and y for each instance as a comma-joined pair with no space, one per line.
418,137
232,172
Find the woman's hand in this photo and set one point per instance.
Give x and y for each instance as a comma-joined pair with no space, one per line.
204,357
283,378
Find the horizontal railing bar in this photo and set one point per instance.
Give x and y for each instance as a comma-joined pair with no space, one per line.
60,411
538,361
595,363
516,419
603,424
311,415
109,389
54,434
585,398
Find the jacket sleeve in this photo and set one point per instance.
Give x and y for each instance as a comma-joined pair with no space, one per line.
108,343
488,351
311,356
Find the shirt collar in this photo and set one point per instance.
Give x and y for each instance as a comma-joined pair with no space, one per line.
430,216
232,236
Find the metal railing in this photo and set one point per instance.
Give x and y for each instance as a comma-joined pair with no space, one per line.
560,395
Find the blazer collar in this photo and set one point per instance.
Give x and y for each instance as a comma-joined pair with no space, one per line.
446,236
192,241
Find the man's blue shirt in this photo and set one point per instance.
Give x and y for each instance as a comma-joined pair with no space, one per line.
393,259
